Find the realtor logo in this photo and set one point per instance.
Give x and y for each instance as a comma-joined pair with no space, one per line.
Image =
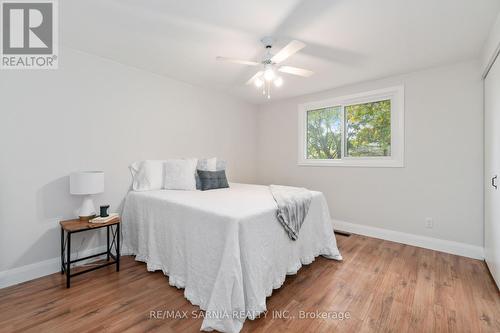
29,34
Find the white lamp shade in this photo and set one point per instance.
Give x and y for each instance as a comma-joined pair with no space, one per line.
86,182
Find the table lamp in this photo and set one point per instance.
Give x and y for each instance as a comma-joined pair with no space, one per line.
86,183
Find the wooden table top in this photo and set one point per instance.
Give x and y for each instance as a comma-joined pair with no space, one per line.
77,225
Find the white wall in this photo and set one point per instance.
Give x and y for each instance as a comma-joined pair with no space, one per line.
442,177
95,114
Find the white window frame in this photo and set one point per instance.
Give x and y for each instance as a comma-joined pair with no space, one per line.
396,160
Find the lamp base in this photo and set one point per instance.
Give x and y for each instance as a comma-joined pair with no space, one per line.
87,209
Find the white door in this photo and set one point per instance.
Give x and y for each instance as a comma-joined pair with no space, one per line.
492,170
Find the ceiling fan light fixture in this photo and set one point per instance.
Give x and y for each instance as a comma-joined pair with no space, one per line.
269,74
278,82
258,82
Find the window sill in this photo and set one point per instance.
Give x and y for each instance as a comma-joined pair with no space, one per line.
363,163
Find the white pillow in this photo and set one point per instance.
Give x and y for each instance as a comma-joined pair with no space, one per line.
147,175
211,164
179,174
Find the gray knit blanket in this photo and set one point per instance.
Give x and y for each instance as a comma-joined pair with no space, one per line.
293,205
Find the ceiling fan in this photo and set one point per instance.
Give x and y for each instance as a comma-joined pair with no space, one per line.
270,64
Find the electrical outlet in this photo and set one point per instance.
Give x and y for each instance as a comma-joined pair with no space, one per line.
429,222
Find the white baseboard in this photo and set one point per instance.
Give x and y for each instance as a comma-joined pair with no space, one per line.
461,249
29,272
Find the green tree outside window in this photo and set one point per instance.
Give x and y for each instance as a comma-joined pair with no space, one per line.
324,133
367,131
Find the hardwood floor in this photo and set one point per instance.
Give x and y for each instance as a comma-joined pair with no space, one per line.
384,286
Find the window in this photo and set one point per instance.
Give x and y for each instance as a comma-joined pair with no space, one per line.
324,133
368,129
359,130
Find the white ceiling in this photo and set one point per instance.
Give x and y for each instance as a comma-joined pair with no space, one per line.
347,40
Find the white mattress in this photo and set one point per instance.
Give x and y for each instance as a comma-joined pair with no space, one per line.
225,247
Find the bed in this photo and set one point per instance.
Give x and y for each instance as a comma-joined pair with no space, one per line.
225,247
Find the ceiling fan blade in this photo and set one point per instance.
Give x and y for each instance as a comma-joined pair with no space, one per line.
259,73
238,61
293,47
296,71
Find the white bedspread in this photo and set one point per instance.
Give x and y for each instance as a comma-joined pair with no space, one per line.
225,247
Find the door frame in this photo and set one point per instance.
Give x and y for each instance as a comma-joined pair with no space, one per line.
491,60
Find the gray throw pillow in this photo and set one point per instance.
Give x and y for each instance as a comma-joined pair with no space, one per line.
203,165
211,180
